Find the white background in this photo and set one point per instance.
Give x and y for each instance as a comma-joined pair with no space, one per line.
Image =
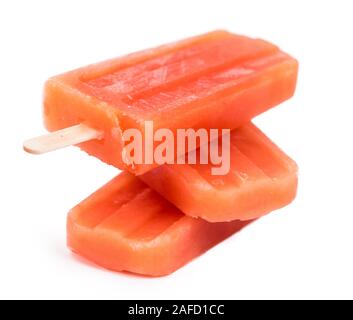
303,251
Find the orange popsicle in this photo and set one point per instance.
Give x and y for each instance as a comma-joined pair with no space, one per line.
217,80
262,178
126,226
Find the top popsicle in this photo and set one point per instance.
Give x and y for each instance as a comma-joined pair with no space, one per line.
216,80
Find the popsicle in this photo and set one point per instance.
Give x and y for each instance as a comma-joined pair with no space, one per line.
216,80
262,178
126,226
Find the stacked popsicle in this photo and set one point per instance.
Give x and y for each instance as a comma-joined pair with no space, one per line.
170,213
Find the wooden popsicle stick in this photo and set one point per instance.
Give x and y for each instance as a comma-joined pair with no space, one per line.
61,139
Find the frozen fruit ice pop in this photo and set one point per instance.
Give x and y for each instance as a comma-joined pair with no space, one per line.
216,80
126,226
261,178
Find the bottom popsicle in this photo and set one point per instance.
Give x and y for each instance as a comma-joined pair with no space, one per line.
126,226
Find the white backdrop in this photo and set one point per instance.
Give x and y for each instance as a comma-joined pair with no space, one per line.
303,251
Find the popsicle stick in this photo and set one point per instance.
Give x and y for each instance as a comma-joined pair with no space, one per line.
61,139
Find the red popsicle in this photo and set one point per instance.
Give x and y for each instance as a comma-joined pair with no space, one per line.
216,80
262,178
126,226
